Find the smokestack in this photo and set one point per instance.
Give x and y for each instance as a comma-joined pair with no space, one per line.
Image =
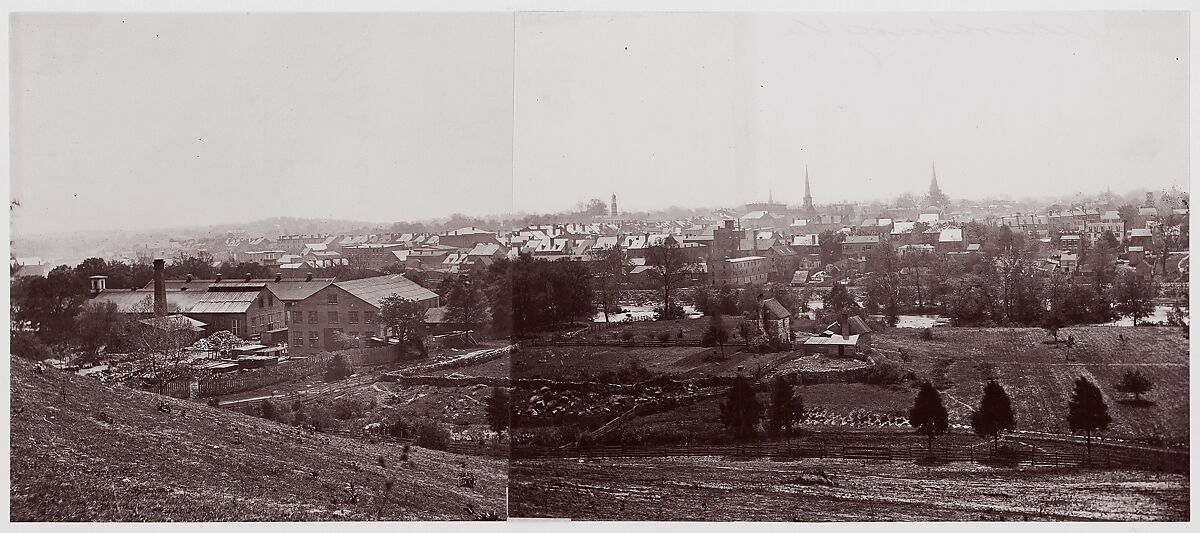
189,279
160,288
845,325
248,277
218,278
308,277
278,277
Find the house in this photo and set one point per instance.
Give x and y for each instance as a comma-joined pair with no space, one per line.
1068,263
800,278
859,245
774,320
1070,243
739,271
29,266
1141,237
466,238
350,308
848,336
950,240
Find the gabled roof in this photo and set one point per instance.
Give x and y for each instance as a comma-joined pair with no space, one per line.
800,277
374,290
775,310
1139,232
861,239
286,289
858,326
902,227
174,323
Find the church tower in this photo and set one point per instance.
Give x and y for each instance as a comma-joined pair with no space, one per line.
936,197
809,210
613,207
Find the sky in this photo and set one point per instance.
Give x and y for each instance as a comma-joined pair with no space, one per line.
142,121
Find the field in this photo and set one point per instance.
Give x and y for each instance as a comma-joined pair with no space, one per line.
595,362
714,489
1039,379
85,451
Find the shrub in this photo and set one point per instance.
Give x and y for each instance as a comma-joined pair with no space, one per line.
347,409
884,372
431,434
627,335
927,334
338,368
320,417
278,412
664,336
679,334
27,345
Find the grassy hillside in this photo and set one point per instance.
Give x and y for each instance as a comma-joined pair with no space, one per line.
83,451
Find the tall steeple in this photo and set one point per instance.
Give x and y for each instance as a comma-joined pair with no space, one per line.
936,197
808,204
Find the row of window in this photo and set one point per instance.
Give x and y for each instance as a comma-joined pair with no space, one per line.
314,338
333,317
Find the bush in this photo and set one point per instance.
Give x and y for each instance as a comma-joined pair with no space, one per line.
627,335
927,334
664,336
275,411
426,433
27,345
885,372
348,409
338,368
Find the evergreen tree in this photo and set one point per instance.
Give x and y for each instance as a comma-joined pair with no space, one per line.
1087,412
785,409
994,415
927,414
499,409
741,410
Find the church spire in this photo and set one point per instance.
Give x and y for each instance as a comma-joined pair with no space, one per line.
808,203
936,197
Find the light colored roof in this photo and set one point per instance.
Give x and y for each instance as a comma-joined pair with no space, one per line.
806,240
950,235
928,217
861,239
1139,232
174,323
374,290
801,276
286,289
834,341
743,259
1148,211
216,302
1069,237
902,227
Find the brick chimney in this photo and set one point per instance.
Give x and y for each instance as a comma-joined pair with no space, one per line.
160,288
845,325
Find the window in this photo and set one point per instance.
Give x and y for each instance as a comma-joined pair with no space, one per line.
314,338
298,317
234,327
332,298
270,299
333,317
353,317
261,303
312,317
298,338
369,317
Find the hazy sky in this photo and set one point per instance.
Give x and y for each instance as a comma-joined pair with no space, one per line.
135,121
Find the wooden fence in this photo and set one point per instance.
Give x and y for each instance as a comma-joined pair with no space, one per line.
293,369
617,342
1100,458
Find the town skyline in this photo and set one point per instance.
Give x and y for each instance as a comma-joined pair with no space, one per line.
283,110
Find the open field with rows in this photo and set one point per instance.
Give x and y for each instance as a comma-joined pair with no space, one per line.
86,451
1039,379
716,489
576,363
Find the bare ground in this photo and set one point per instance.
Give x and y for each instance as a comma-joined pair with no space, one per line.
716,489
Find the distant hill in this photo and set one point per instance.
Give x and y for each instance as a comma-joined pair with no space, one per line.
198,463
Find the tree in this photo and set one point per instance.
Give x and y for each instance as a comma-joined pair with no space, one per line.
466,304
338,368
785,410
1136,383
1087,412
831,246
1178,315
611,263
741,410
48,305
499,409
927,414
1052,321
669,268
1133,296
100,325
405,320
716,333
994,415
839,302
